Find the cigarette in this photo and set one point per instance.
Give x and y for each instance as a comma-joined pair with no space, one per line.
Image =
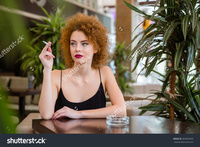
45,42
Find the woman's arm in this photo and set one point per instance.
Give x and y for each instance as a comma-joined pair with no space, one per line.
118,105
48,95
49,91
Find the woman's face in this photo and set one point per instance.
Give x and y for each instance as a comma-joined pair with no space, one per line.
80,48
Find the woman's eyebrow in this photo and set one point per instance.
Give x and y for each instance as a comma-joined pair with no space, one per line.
84,41
81,40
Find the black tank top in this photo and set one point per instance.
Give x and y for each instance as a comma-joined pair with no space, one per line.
95,102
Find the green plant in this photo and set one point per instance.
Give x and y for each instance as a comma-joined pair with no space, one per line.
12,26
122,70
173,37
6,123
49,30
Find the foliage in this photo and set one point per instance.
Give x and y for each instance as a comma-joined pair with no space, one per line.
50,30
14,36
173,37
6,123
12,26
122,70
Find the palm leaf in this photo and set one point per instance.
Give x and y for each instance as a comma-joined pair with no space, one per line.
194,20
179,107
178,54
169,31
135,9
184,25
153,107
138,58
47,14
161,9
198,34
151,66
190,57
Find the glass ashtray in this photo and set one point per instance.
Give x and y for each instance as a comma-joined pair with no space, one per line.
117,121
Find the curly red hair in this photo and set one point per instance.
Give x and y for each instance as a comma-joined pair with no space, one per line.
95,32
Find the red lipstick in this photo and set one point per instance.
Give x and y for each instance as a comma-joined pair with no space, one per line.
78,56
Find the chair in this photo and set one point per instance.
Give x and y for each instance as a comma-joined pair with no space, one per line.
4,81
16,83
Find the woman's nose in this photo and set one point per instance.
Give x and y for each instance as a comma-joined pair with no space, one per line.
78,48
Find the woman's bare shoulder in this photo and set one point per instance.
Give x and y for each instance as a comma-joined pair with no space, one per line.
56,72
105,70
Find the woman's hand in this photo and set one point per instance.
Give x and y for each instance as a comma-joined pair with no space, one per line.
46,57
66,112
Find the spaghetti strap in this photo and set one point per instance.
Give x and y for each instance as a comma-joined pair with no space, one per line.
100,74
61,79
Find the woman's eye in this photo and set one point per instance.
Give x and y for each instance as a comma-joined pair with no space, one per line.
73,44
85,44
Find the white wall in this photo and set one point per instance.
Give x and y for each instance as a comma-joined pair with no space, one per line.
102,3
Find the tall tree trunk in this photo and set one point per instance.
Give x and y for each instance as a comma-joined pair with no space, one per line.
172,89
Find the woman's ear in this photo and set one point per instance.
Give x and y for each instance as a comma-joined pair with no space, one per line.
95,51
96,48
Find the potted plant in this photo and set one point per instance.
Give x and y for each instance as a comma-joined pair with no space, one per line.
48,30
123,74
173,37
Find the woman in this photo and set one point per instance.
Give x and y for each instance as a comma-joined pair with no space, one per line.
82,86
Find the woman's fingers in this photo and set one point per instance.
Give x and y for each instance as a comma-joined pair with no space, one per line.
57,113
66,112
49,54
49,49
46,47
46,54
54,115
46,51
62,114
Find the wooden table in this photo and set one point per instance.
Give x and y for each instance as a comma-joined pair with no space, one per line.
25,127
22,95
137,125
